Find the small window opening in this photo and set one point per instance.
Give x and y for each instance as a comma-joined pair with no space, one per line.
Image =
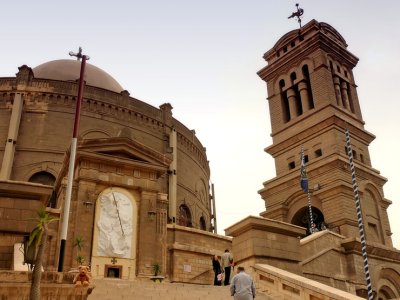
292,165
202,223
306,158
318,152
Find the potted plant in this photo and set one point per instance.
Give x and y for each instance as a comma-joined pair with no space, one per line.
156,271
78,243
80,259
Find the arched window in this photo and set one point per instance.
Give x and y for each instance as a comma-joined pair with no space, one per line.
202,223
185,217
293,77
43,177
284,102
306,75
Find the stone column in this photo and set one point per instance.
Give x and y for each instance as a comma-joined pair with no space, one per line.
336,83
305,101
292,103
15,120
172,176
345,95
166,112
162,205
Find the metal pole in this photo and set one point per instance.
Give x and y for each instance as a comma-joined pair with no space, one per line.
213,207
71,167
304,186
359,215
312,229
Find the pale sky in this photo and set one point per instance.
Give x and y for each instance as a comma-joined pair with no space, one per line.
202,57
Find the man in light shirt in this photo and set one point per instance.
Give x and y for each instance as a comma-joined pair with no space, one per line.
242,286
226,263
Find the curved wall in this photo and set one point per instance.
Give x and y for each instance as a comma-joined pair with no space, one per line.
46,129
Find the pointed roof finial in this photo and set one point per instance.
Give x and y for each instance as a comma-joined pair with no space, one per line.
297,14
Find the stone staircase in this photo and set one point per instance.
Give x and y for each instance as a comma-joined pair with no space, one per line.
116,289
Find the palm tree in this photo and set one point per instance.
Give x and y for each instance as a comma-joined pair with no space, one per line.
38,239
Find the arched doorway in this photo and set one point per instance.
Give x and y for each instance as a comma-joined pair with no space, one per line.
43,177
388,284
302,218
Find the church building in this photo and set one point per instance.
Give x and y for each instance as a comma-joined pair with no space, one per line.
141,194
312,98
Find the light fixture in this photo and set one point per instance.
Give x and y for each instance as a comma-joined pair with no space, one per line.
151,214
87,203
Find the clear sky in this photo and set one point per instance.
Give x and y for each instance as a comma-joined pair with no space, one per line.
202,57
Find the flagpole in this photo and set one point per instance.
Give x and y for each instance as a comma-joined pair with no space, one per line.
304,186
359,215
71,167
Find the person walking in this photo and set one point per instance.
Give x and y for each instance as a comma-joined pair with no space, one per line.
226,261
217,270
242,286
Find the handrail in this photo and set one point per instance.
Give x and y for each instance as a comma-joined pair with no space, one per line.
202,273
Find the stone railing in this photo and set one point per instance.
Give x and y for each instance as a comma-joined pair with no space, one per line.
275,281
16,285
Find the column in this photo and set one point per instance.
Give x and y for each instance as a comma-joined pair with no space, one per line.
162,205
345,95
9,151
172,176
336,83
292,103
305,101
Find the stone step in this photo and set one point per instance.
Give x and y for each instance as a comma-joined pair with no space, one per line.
111,289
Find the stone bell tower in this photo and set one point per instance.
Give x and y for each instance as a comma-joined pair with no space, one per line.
312,99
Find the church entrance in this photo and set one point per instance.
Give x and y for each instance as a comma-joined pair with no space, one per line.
114,239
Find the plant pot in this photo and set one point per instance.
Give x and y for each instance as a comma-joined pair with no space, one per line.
157,279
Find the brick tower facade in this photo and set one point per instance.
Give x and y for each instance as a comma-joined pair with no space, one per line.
312,99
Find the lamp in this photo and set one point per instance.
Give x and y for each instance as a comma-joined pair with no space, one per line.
151,214
87,203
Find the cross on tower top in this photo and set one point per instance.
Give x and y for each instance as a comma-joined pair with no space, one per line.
297,14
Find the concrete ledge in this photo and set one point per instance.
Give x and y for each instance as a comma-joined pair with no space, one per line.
264,224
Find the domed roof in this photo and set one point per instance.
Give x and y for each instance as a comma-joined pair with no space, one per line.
69,70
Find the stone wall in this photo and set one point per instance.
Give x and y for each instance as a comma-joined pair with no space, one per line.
189,254
19,203
260,240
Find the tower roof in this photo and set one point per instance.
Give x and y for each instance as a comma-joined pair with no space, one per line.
69,70
311,30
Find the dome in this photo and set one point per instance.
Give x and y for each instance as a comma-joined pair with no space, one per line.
69,70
